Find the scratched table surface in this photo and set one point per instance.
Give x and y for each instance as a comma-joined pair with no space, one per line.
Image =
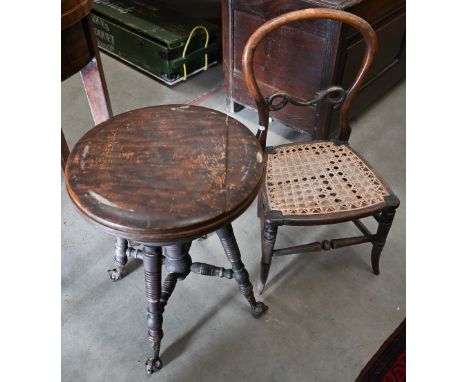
166,172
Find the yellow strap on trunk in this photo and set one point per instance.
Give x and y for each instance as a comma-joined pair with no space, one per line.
188,42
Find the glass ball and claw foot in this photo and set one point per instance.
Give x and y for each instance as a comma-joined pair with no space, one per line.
162,177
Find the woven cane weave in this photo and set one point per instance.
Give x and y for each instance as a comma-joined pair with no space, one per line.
320,177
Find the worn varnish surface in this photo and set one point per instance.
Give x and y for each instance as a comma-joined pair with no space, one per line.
164,173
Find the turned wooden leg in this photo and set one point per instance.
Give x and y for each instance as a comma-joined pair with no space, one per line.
177,263
228,240
120,259
152,263
385,222
269,233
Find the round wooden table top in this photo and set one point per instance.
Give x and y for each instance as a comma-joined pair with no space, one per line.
165,173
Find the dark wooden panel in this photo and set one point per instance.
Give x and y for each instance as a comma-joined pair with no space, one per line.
275,71
373,89
273,64
268,9
390,36
375,11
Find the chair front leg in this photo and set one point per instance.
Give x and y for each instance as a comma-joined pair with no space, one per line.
385,222
269,233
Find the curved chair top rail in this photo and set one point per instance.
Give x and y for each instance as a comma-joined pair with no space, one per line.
264,105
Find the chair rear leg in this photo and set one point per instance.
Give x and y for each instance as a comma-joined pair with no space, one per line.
385,222
268,242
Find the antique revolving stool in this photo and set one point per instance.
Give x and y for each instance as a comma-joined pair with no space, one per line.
161,177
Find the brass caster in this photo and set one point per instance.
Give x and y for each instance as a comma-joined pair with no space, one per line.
153,365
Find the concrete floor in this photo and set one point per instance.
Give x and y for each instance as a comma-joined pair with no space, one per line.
328,312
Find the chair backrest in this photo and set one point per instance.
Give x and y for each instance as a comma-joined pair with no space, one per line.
333,94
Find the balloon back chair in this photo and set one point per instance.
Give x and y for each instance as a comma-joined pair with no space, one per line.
322,181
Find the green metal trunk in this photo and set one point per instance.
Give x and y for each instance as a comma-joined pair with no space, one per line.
152,38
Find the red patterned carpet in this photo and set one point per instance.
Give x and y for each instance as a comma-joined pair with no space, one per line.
389,363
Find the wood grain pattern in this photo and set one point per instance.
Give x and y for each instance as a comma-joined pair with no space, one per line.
162,173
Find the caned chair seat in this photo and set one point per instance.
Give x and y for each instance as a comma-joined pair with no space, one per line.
321,177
